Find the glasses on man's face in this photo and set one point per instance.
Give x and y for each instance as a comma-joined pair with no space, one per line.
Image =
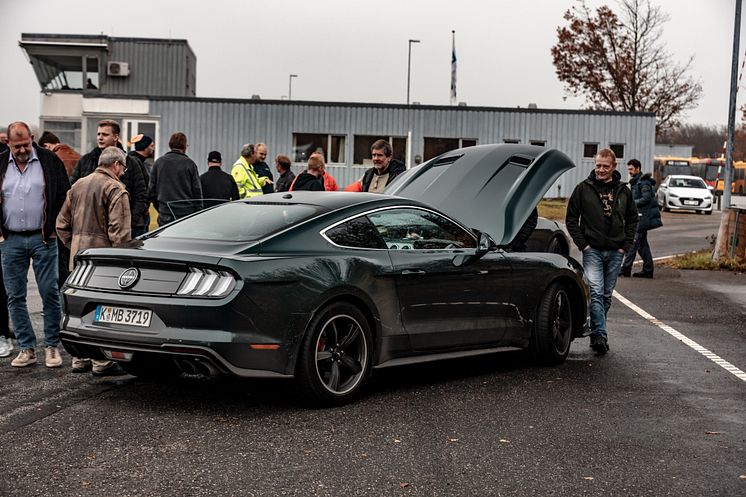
124,166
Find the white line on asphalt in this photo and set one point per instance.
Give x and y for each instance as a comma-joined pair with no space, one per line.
679,336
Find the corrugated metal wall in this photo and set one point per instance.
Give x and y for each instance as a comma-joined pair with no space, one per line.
225,125
157,68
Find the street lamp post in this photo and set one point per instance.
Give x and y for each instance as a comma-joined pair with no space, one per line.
290,86
409,66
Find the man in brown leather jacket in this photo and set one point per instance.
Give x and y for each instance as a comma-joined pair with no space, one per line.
96,213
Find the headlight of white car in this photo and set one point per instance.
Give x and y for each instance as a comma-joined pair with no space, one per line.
672,195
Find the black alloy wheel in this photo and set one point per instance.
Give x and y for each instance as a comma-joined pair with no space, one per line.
550,341
335,357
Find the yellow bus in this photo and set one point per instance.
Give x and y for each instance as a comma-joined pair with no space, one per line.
665,166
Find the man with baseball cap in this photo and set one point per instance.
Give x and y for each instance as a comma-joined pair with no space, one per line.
216,183
144,148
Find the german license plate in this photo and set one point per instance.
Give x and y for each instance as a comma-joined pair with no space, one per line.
691,202
123,315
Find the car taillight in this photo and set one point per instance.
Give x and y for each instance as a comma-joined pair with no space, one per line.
80,274
206,283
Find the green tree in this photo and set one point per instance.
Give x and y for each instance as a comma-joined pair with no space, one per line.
620,62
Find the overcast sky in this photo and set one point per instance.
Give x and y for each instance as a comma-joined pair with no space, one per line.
355,51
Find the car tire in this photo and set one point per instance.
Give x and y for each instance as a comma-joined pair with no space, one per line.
334,362
709,213
552,334
151,370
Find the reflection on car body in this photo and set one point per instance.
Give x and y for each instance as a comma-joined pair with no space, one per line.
320,287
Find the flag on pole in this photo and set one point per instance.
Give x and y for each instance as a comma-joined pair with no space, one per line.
453,69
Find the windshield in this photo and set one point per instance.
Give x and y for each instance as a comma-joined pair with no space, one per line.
240,221
687,183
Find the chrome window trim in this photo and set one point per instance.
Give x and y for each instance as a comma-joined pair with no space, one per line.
390,207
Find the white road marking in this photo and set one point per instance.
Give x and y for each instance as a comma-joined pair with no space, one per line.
679,336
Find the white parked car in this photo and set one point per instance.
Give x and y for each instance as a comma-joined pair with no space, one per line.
679,192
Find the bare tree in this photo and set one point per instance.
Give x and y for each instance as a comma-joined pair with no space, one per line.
622,64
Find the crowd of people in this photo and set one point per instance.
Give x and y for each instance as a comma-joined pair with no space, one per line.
56,203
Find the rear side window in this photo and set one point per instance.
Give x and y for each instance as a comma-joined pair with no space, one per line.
357,233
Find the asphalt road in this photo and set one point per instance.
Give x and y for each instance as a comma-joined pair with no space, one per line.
653,417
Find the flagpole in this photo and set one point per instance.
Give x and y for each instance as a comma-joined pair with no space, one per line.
453,67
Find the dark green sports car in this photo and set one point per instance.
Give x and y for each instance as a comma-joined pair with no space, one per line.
325,287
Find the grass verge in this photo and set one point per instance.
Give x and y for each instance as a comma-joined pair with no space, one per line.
553,208
703,260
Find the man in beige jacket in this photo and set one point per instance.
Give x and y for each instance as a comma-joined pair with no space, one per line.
96,213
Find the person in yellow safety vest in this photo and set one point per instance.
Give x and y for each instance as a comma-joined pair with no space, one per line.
249,182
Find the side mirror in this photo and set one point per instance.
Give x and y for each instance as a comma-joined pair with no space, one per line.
710,187
486,244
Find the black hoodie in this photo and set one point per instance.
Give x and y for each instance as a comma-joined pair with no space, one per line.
308,182
602,215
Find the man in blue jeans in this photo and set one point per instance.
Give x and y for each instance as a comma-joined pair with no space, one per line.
602,220
34,184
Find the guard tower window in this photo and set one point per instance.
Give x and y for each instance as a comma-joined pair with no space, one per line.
72,73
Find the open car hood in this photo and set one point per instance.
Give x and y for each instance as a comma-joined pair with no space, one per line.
492,188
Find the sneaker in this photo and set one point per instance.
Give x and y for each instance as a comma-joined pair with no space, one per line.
642,274
112,369
593,342
52,357
601,346
26,357
6,346
81,365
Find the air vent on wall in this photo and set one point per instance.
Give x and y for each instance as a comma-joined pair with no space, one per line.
118,69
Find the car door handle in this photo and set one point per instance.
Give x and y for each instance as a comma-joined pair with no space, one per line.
413,271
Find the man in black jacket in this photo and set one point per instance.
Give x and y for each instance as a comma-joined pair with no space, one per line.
602,219
643,193
385,168
215,182
29,231
282,164
107,135
144,148
262,168
311,179
175,178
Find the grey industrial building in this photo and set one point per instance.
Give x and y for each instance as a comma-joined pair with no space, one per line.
149,86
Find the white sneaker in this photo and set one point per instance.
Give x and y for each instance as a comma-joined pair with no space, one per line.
6,346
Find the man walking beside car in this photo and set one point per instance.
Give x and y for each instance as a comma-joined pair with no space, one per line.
602,219
96,213
643,193
34,183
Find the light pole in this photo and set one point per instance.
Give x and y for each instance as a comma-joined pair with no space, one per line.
290,86
409,66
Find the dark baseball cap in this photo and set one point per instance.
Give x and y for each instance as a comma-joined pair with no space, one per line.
214,156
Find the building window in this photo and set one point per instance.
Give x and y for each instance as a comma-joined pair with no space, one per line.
70,73
618,149
538,143
437,146
67,131
590,150
511,140
331,146
361,153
